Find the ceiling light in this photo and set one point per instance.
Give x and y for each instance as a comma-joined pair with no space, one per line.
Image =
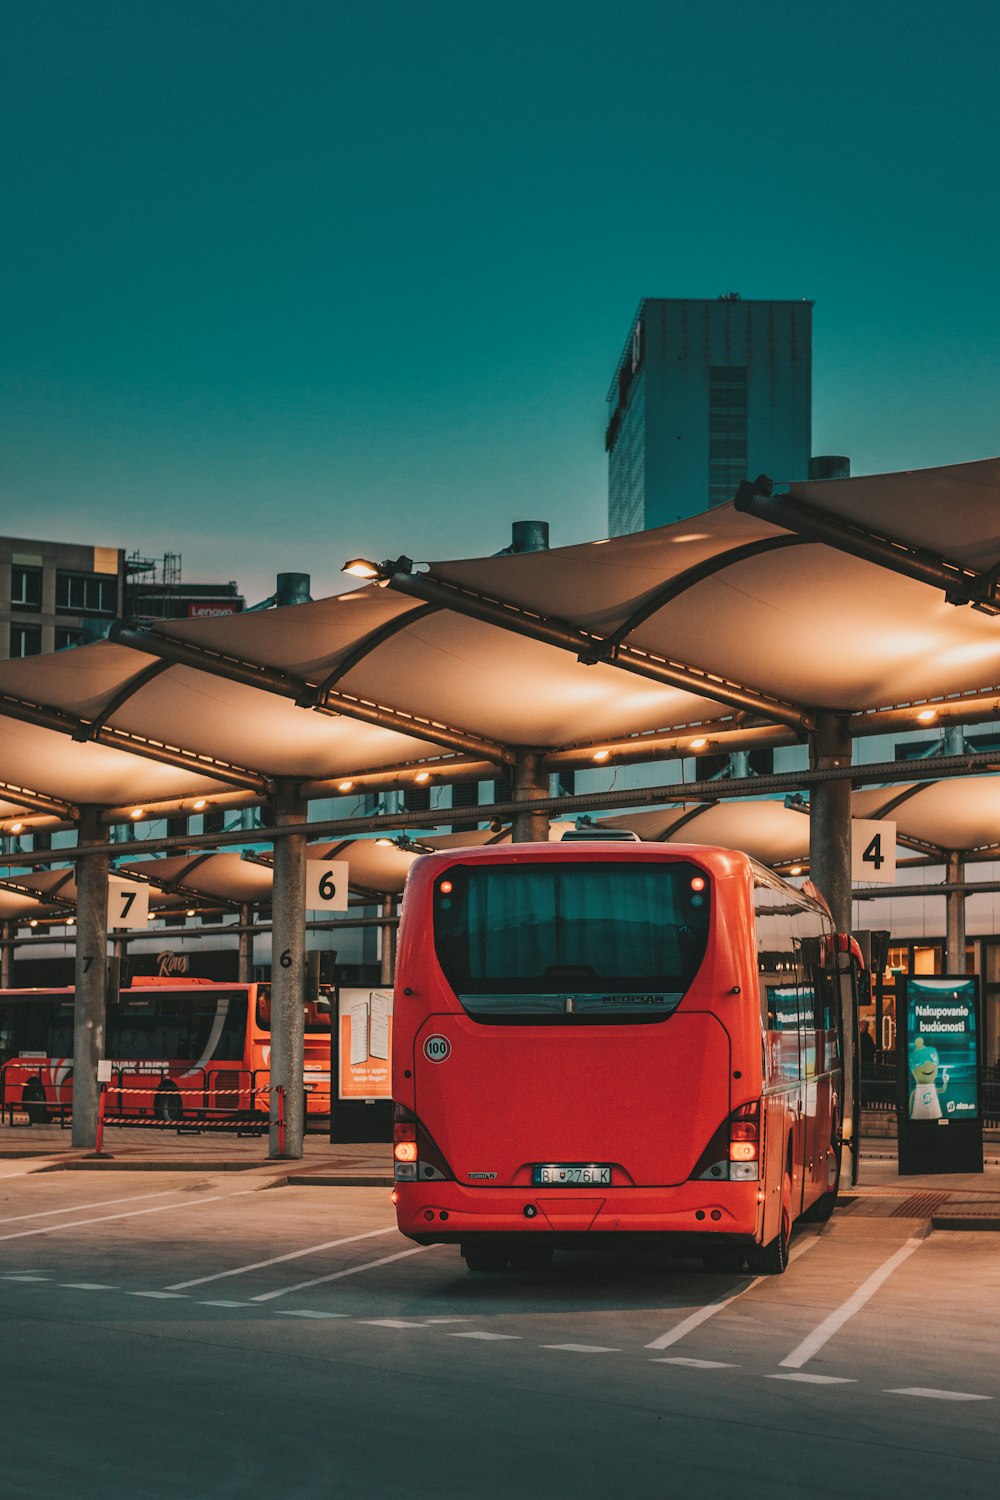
70,921
344,786
190,912
602,754
17,828
699,744
385,843
795,870
137,812
201,804
33,922
927,714
422,776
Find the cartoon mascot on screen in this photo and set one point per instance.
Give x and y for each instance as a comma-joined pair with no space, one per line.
925,1098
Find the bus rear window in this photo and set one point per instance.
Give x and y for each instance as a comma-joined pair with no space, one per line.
602,941
317,1013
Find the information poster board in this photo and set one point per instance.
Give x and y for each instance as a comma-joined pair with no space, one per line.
938,1074
364,1030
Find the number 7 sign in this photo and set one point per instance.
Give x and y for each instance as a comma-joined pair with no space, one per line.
873,851
128,903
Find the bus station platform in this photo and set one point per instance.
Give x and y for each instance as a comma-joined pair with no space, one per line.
943,1201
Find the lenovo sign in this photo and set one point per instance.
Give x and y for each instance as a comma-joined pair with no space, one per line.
209,608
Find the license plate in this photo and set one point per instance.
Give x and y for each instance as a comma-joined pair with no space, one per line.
566,1174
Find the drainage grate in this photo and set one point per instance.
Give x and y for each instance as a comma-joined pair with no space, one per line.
919,1206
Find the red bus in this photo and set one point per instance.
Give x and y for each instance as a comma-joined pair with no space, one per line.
180,1052
597,1041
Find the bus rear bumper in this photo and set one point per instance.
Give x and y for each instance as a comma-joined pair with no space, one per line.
447,1212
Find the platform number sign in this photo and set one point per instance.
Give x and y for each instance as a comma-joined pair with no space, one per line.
128,903
873,851
326,885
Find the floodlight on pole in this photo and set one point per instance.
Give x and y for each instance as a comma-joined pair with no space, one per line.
381,574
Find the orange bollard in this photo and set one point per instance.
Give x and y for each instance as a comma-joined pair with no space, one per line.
100,1120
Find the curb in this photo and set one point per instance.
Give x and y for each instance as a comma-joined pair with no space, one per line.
988,1219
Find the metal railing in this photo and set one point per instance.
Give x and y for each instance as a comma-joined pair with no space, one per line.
879,1083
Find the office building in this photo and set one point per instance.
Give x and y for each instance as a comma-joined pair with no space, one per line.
707,392
156,591
56,594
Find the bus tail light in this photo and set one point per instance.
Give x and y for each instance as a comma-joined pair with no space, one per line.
744,1143
416,1156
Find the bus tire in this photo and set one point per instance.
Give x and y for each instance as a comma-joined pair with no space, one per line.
167,1103
33,1102
485,1258
820,1211
772,1259
535,1256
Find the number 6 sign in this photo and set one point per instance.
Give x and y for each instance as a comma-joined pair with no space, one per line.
326,885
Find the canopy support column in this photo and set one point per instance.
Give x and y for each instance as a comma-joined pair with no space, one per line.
531,783
830,818
388,942
7,956
830,872
955,902
90,979
244,970
288,971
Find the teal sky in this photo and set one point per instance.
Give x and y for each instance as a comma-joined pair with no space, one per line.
285,281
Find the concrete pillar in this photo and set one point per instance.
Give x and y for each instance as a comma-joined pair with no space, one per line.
288,970
7,956
244,970
955,904
830,818
90,978
830,872
388,942
530,782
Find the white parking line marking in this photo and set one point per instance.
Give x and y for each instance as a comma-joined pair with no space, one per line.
711,1308
391,1323
82,1207
815,1379
222,1302
582,1348
88,1286
491,1336
258,1265
305,1312
161,1296
24,1276
447,1320
338,1275
810,1345
932,1395
695,1364
133,1213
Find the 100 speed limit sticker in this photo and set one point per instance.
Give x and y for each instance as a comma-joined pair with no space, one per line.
437,1048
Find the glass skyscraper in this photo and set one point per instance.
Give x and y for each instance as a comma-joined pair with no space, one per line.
707,392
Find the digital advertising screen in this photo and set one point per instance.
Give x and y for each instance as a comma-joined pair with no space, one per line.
941,1049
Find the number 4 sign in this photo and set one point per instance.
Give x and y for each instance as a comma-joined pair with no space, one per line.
326,885
873,851
128,903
